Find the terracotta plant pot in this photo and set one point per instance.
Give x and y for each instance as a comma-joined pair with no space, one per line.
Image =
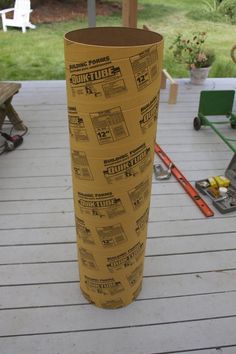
199,75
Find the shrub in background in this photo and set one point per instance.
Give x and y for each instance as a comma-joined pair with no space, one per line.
215,11
228,8
4,4
212,5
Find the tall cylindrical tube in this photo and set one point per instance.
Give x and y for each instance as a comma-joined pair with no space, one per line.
113,77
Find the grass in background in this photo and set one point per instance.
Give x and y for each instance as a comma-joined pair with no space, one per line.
38,54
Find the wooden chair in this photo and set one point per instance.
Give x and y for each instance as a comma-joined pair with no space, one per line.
7,91
21,16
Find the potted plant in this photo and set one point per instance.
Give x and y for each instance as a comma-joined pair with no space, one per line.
192,52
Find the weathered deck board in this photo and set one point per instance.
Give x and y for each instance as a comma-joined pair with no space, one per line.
61,271
67,293
163,338
56,251
188,301
61,319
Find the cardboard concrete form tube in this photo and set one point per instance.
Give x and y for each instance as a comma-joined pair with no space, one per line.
108,126
114,177
117,42
117,263
123,167
93,73
111,83
120,277
113,80
111,236
112,291
119,134
104,229
104,207
126,101
112,261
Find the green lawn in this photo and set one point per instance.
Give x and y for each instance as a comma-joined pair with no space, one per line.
38,54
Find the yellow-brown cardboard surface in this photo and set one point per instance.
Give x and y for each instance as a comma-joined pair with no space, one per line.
113,81
116,167
106,73
112,123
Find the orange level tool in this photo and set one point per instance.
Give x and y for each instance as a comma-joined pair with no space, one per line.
184,182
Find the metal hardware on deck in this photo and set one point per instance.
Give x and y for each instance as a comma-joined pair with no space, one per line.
160,173
184,183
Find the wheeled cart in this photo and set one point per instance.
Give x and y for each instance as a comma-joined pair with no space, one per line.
219,103
216,103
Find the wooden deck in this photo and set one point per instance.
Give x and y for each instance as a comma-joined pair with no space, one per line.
188,301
